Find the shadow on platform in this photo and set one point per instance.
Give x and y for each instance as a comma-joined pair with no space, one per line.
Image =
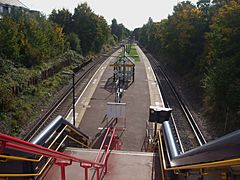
98,139
110,85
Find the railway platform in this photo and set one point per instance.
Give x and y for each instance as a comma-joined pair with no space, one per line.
91,106
116,152
121,165
91,110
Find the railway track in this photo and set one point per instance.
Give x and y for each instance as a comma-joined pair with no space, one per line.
187,132
63,104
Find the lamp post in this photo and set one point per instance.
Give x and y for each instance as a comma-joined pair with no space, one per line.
73,94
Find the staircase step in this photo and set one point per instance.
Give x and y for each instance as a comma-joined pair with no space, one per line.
121,165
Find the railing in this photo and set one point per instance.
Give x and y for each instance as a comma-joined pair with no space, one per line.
220,154
60,159
56,126
58,134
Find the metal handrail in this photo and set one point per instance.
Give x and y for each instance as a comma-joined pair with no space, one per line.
14,143
31,160
109,145
107,152
103,142
39,159
200,166
19,144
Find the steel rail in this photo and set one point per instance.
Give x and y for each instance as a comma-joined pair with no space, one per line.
196,130
173,120
44,119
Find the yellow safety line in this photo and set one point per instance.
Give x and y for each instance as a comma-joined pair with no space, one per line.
62,142
3,161
44,167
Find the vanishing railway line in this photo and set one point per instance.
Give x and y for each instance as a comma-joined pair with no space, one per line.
63,104
186,129
187,132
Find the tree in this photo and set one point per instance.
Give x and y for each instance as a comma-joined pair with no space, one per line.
222,78
9,39
119,30
84,26
74,42
63,18
181,35
29,39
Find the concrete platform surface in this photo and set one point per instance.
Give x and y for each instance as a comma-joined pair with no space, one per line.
138,97
123,165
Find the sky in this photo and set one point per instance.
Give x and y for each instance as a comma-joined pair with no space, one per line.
131,13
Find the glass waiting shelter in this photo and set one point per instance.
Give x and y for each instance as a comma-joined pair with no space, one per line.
123,71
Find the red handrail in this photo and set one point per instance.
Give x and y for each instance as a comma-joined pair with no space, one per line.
105,162
109,145
18,144
39,150
103,142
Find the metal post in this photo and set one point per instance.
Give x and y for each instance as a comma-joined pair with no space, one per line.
86,173
3,146
133,73
86,167
63,171
98,173
155,130
73,87
73,94
62,166
106,165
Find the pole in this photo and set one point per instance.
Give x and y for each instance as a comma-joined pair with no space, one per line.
73,87
155,130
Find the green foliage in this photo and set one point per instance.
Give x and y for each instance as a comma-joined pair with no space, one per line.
63,18
181,35
222,77
33,52
92,30
29,40
74,42
133,52
9,38
204,39
119,30
16,112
